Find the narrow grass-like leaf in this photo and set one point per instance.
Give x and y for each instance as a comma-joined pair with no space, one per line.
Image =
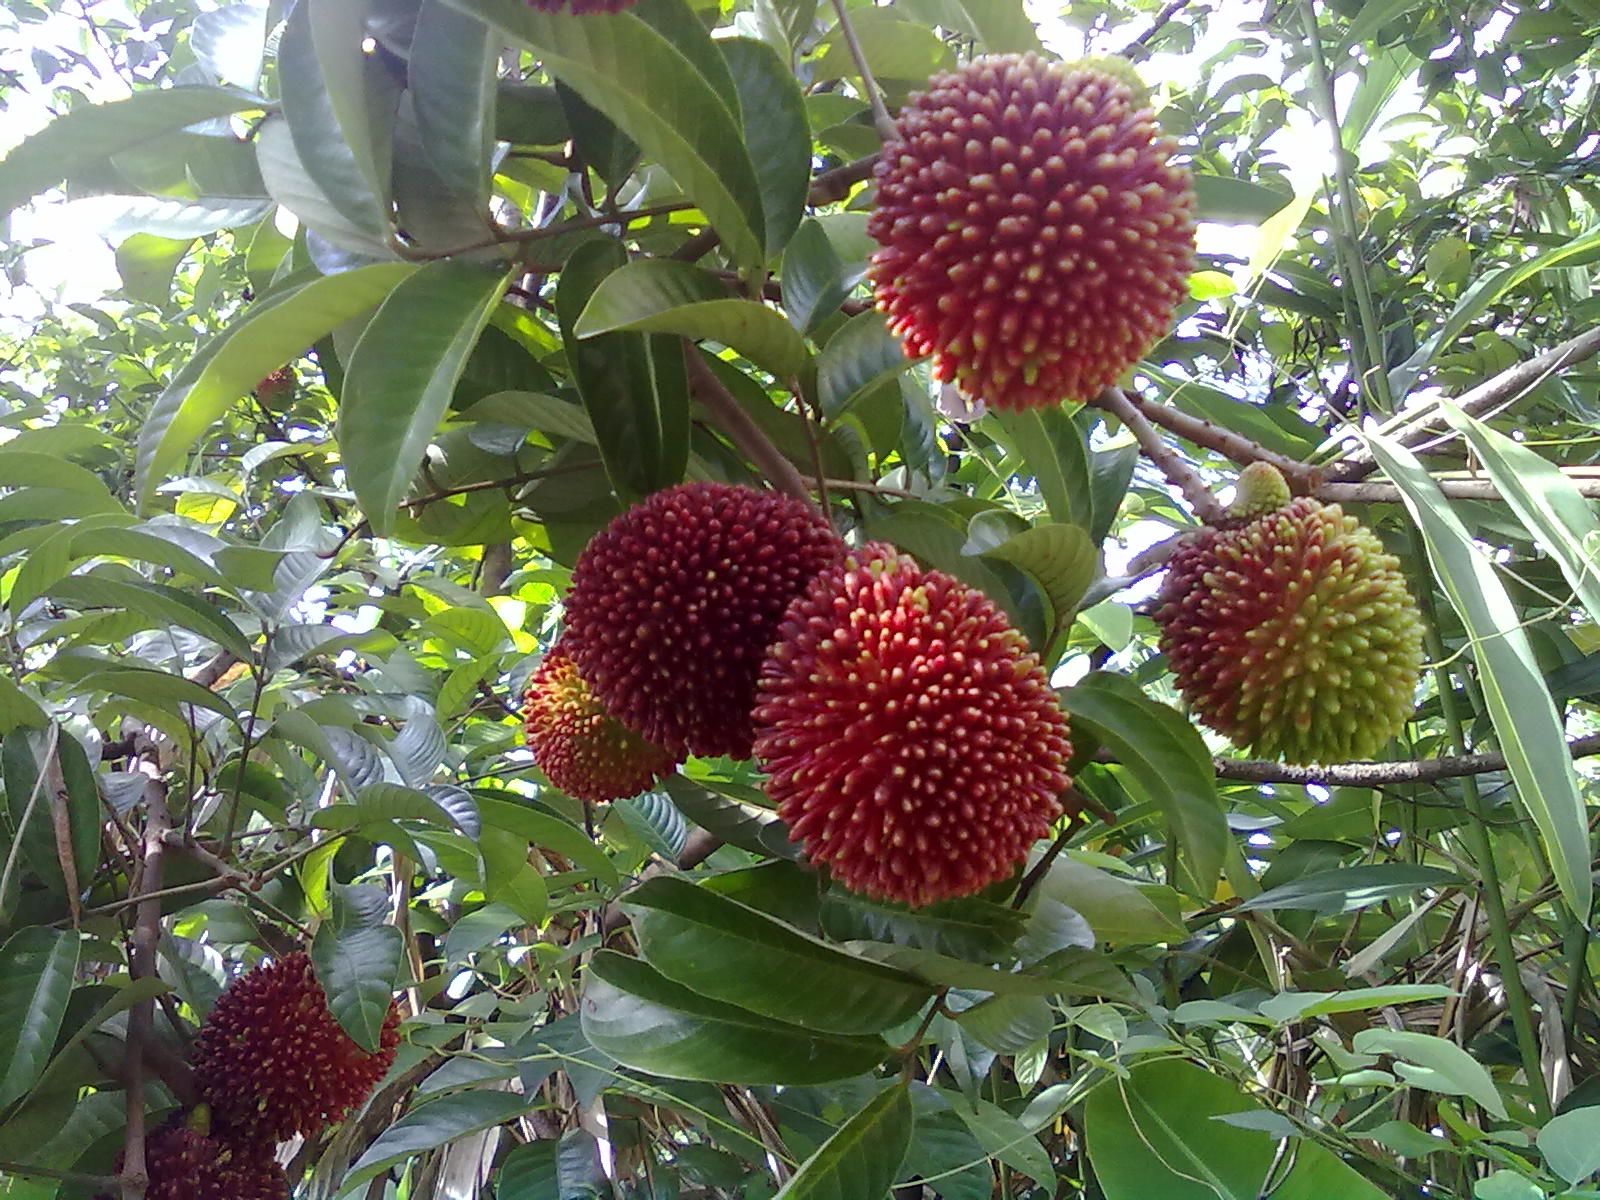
1525,720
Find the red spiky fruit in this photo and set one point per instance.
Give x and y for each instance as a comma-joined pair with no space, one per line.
1292,631
674,604
581,748
581,7
276,387
271,1060
1036,235
911,739
184,1164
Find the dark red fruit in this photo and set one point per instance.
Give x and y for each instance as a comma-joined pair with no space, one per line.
674,605
183,1164
271,1060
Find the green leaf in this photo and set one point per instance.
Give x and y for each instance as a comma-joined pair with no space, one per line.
658,295
645,1021
36,969
1525,720
93,132
381,802
1117,911
1350,888
1434,1064
861,355
274,330
400,379
1297,1006
1001,26
1167,758
550,833
813,277
940,970
437,1123
643,82
146,264
735,954
163,605
776,134
1053,449
1156,1133
1372,17
1059,558
156,687
228,42
452,77
358,969
290,181
633,386
1548,503
894,48
1004,1137
1236,201
1008,1024
1570,1143
509,878
551,1169
862,1157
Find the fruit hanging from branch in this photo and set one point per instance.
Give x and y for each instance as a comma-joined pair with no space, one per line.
184,1163
1036,235
1292,631
674,604
272,1061
582,748
911,739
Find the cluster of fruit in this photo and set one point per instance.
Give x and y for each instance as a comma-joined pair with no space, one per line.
270,1062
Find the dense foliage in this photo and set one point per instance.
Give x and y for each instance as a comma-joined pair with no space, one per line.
414,297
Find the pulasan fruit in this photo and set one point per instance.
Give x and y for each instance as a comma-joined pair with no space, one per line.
1036,236
185,1164
674,604
910,737
581,748
1291,630
272,1061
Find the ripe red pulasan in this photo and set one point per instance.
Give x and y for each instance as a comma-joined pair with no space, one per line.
1292,631
184,1164
674,604
581,748
271,1060
1036,236
911,739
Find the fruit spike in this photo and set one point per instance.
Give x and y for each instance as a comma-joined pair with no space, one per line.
186,1164
1036,238
674,604
272,1061
1293,633
581,748
911,739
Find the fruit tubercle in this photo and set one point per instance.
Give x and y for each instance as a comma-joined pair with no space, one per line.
1261,489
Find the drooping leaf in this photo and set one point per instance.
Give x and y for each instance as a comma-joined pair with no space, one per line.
1524,717
1435,1064
1350,888
358,969
733,953
402,375
452,78
775,133
863,1156
36,970
436,1123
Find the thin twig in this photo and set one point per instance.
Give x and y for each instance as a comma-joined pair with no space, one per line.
1171,464
523,237
1302,477
730,416
880,111
1370,774
1135,49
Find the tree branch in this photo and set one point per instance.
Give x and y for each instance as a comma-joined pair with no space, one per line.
1379,492
1369,774
730,417
1411,428
1179,473
1302,477
835,184
142,965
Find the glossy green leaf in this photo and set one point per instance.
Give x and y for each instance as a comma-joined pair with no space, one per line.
400,379
633,385
859,357
776,135
1060,558
1350,888
157,687
1548,503
553,1169
662,296
641,81
1525,720
146,263
509,878
551,833
358,969
733,953
93,132
862,1157
1222,198
36,969
1434,1064
1570,1143
451,74
274,330
894,47
1052,448
1005,1138
380,802
1117,911
290,180
1000,26
1167,758
163,605
1008,1024
437,1123
645,1021
1156,1133
813,277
